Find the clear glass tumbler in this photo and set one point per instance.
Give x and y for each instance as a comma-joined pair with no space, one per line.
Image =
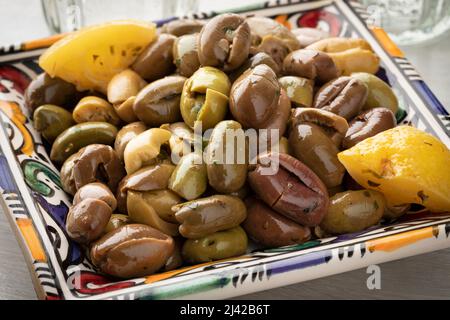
70,15
410,21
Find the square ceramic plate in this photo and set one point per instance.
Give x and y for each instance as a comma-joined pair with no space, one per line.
36,206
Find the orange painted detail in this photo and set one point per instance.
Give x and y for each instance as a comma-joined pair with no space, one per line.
170,274
387,42
13,112
397,241
29,234
283,19
42,43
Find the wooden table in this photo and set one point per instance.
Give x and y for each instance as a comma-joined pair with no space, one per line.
421,277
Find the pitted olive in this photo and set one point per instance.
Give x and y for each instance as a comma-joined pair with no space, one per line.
181,27
156,61
185,54
116,221
47,90
181,141
219,245
275,47
270,228
159,102
124,85
257,59
290,188
226,161
175,260
205,216
311,64
67,181
133,250
205,98
144,149
96,190
95,109
125,135
125,110
368,124
87,219
80,135
51,121
344,96
224,42
257,100
189,178
299,90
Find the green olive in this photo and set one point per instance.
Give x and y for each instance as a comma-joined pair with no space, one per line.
96,109
181,141
204,99
380,94
204,216
189,178
353,211
299,90
80,135
125,134
226,159
51,120
216,246
116,221
162,201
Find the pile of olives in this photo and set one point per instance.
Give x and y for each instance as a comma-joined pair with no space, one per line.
139,212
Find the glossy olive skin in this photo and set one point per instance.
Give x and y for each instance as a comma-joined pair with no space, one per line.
290,188
51,121
181,27
311,145
275,47
380,94
95,109
204,99
185,55
133,250
299,90
270,228
204,216
125,134
96,190
353,211
66,176
310,64
175,260
125,110
181,141
47,90
257,100
257,59
224,42
148,178
141,210
156,61
124,85
87,219
162,202
116,221
97,163
219,245
80,135
343,96
368,124
159,102
223,176
189,178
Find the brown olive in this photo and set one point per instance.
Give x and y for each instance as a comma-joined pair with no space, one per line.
133,250
257,59
159,102
116,221
67,180
275,47
96,190
224,42
156,61
125,134
311,145
368,124
181,27
47,90
97,163
290,188
185,54
270,228
175,260
310,64
87,219
257,100
124,85
344,96
205,216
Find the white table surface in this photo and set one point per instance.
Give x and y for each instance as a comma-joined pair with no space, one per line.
421,277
